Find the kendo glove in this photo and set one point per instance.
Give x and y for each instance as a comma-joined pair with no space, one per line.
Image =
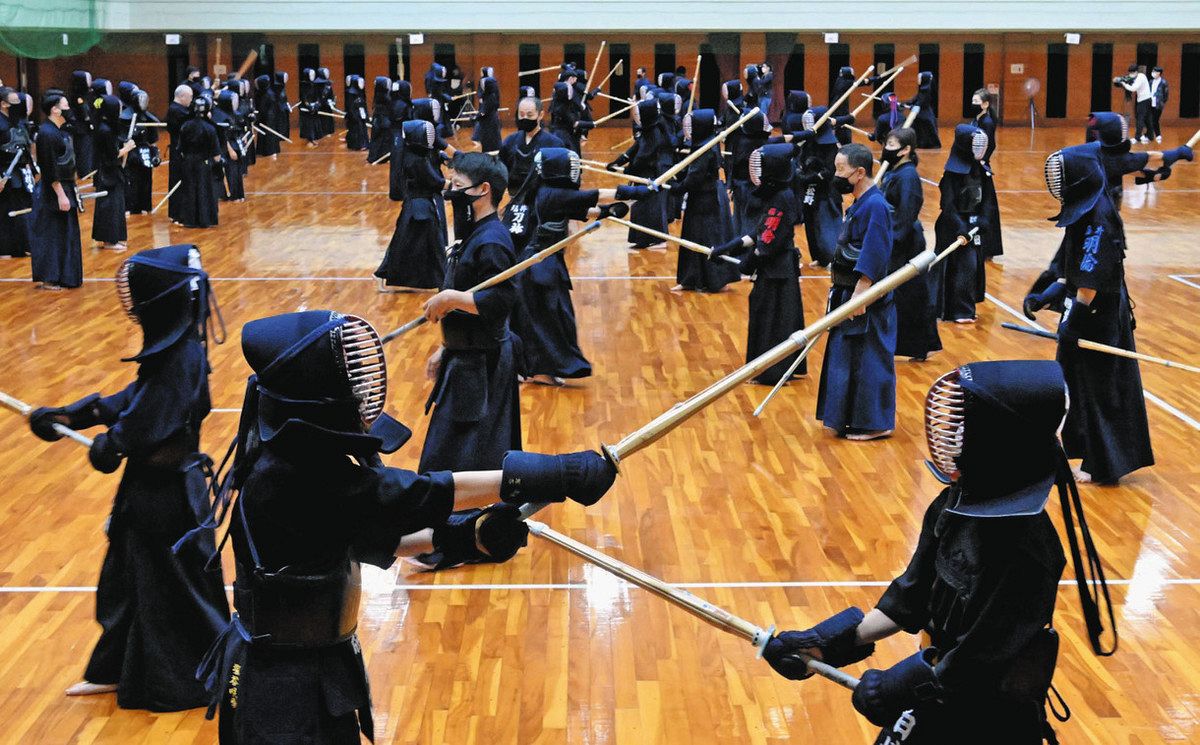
533,477
493,534
104,455
79,415
616,209
1150,176
613,165
883,695
833,637
728,248
841,121
1072,325
1049,296
634,191
1183,152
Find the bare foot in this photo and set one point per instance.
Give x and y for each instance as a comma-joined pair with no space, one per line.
964,320
84,688
549,380
865,436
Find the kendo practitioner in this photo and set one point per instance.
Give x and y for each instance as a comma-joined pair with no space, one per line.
982,104
475,401
752,91
669,106
683,89
821,201
731,93
310,103
857,395
230,132
517,153
280,119
707,218
545,317
159,610
314,500
890,119
247,116
192,80
436,87
57,250
357,135
400,110
650,155
776,306
140,164
430,110
81,120
200,161
961,190
1107,426
917,334
416,255
16,175
566,111
796,103
325,101
178,112
381,122
487,120
926,122
983,580
265,103
753,134
108,227
844,82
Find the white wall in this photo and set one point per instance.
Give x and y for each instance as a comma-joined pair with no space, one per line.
647,15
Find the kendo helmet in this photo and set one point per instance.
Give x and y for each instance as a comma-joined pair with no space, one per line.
125,91
308,74
281,78
798,102
751,71
756,126
81,82
924,78
771,165
669,103
825,135
993,427
201,105
487,71
563,92
227,101
383,87
109,108
645,114
403,91
699,125
666,81
262,83
846,72
970,145
320,378
419,134
427,109
323,72
558,167
101,87
141,101
1112,130
731,90
438,72
1075,177
166,292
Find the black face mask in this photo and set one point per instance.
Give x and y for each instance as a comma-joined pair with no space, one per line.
974,109
527,125
890,156
462,202
842,185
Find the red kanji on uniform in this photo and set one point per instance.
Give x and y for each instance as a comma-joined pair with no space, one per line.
770,225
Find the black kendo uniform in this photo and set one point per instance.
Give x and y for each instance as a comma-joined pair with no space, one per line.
265,103
565,112
381,121
844,82
416,255
961,190
159,610
57,250
280,119
399,111
82,120
357,135
177,114
916,300
16,158
310,101
925,124
776,306
1107,426
983,579
669,106
890,119
143,159
229,134
436,87
517,153
314,500
753,134
650,155
109,223
199,150
993,240
325,102
127,93
487,121
706,219
431,110
822,205
247,116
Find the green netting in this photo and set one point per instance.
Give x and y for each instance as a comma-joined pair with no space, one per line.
43,29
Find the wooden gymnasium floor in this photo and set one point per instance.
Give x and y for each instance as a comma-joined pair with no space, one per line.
770,517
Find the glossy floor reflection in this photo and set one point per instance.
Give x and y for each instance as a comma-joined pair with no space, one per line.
773,519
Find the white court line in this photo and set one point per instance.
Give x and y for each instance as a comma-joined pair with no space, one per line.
585,586
1182,278
1147,394
588,278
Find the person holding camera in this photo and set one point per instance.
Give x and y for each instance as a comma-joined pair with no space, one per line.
1136,83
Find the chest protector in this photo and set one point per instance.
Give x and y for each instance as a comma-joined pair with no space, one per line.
845,258
294,608
970,194
64,165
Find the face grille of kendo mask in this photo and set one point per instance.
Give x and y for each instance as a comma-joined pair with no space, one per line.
436,107
1054,174
364,364
979,144
123,291
678,103
687,127
944,415
755,166
430,134
1124,127
143,100
808,120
